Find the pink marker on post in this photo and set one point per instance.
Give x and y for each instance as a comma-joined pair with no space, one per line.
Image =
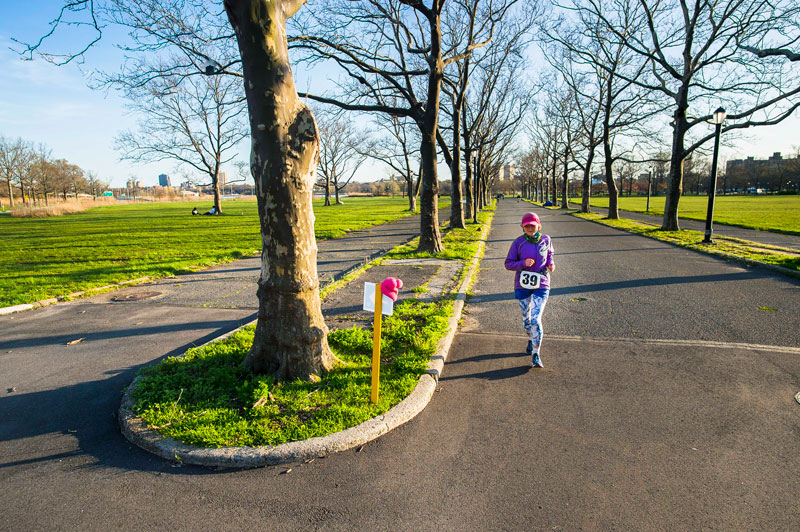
391,286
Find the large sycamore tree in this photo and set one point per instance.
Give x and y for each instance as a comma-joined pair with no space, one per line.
291,335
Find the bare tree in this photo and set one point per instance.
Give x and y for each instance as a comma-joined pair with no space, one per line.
342,152
393,56
694,61
395,149
594,51
15,157
562,109
494,109
94,184
194,121
464,27
69,178
781,41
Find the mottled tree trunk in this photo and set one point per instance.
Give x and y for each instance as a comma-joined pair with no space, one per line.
456,208
613,208
215,182
336,190
412,198
430,239
587,181
10,193
327,191
469,189
675,179
291,336
565,184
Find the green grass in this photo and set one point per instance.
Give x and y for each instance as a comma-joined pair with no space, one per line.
52,257
208,399
459,244
722,246
766,213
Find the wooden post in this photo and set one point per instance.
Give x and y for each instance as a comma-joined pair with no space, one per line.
376,344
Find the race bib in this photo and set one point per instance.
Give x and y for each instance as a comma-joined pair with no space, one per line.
530,280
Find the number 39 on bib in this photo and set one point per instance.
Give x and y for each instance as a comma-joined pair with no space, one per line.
529,280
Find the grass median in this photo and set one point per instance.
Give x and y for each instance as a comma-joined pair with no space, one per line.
207,398
56,256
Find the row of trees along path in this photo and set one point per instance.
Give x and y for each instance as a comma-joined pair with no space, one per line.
248,39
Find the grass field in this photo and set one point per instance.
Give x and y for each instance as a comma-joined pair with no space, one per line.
767,213
50,257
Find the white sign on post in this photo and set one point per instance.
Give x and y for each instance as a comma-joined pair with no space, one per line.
387,305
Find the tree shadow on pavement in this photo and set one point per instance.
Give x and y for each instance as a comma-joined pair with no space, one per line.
122,334
40,426
657,281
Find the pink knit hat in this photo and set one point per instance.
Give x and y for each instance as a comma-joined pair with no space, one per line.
530,219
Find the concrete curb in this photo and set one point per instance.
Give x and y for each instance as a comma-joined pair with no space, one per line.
137,432
54,300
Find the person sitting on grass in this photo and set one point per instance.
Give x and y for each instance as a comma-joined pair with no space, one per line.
212,212
195,212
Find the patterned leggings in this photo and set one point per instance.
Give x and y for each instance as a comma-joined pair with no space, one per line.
532,309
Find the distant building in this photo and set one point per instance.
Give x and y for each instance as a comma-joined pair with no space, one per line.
506,173
222,179
752,165
163,180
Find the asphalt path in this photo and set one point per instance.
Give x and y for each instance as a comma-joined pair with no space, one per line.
762,237
614,284
645,416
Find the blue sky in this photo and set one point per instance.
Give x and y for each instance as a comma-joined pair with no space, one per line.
53,105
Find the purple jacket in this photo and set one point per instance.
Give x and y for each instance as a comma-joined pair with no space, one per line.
541,253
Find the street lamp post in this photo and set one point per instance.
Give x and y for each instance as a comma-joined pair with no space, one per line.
719,117
649,185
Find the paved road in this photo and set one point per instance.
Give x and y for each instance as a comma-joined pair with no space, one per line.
616,284
620,430
762,237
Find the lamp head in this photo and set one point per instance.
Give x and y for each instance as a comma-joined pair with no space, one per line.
211,67
719,116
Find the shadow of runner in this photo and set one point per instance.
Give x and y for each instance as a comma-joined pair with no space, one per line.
222,325
492,375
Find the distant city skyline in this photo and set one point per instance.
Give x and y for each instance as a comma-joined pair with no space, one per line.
43,103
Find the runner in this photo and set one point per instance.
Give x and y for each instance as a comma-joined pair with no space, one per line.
531,256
